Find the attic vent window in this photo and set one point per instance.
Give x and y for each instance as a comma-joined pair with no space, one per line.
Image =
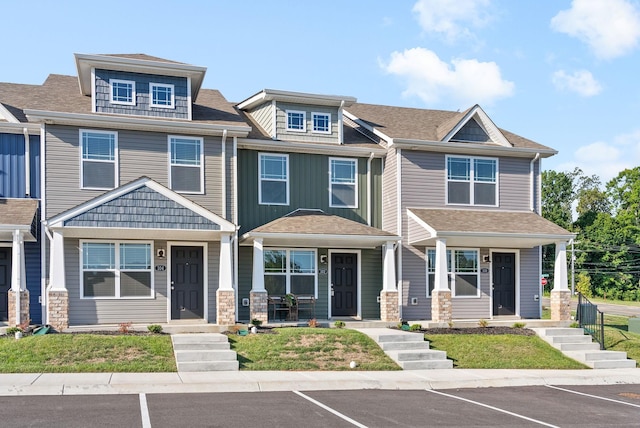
162,95
122,91
296,121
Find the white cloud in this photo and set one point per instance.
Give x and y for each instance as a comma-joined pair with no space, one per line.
611,28
581,82
464,80
452,18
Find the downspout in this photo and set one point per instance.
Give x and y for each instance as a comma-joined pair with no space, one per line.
235,218
224,173
369,192
43,230
27,163
533,181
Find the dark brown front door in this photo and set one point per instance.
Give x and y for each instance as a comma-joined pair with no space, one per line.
344,280
5,282
504,283
187,283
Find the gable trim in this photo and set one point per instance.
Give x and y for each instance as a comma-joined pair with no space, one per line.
6,114
485,123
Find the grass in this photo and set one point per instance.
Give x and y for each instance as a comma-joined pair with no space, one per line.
618,338
86,353
506,351
612,302
309,349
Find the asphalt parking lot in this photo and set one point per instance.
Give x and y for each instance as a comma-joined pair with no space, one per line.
570,406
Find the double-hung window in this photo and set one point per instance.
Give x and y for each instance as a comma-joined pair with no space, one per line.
116,270
296,121
273,177
462,272
472,181
122,92
343,188
162,95
290,271
321,123
186,164
98,153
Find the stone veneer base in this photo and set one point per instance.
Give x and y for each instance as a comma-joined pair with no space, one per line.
58,309
259,306
389,308
441,310
226,307
24,308
560,305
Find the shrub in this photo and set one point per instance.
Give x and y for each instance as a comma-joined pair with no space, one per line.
450,324
415,327
483,323
256,322
155,328
125,327
518,325
313,323
339,324
13,330
574,325
583,284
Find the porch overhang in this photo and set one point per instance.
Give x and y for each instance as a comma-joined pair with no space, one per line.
482,228
20,215
123,233
315,228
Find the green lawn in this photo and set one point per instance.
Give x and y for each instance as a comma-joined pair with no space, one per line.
612,302
66,353
618,338
309,349
505,351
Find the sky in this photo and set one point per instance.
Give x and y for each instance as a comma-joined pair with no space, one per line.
564,73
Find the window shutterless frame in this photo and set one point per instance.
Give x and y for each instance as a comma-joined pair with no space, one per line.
463,266
161,95
471,181
98,159
186,164
122,92
119,262
296,120
273,179
343,182
294,266
321,123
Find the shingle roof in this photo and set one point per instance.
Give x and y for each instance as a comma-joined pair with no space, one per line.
421,124
317,222
17,212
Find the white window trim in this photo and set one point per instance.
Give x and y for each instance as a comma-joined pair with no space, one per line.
133,92
115,161
260,201
201,166
304,120
452,274
313,122
471,180
355,160
162,85
117,270
288,272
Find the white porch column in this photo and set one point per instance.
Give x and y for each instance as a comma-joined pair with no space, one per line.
560,278
225,276
18,277
441,274
389,267
57,280
258,266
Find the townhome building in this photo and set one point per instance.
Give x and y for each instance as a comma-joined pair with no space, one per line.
150,199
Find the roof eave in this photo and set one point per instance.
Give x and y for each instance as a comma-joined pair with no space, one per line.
471,148
289,146
317,239
295,97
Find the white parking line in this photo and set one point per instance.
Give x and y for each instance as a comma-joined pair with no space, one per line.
329,409
593,396
144,411
493,408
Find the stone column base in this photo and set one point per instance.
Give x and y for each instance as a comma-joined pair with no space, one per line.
560,305
389,308
226,307
58,309
24,308
259,306
441,310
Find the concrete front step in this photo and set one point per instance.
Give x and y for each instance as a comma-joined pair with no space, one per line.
212,346
402,346
554,340
611,364
208,366
592,346
429,354
199,355
199,338
559,331
203,352
426,365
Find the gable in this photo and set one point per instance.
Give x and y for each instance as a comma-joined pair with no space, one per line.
142,208
471,132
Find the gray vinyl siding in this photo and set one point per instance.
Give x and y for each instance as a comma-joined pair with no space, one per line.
473,307
389,193
143,95
530,283
515,183
371,283
309,135
113,311
213,270
308,188
414,284
139,154
376,192
416,232
263,114
245,280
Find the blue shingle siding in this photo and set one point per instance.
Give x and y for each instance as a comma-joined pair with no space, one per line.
12,166
142,208
142,107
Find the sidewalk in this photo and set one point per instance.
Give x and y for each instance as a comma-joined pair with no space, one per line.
254,381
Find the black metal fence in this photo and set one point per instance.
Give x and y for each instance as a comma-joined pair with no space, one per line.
590,319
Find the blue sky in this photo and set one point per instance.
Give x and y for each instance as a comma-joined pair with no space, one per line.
563,73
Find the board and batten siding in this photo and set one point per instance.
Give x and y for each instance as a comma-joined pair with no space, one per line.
307,136
390,193
139,154
12,166
308,189
263,115
530,285
371,283
112,311
213,280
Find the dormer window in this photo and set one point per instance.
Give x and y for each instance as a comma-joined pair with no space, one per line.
296,121
122,92
162,95
321,123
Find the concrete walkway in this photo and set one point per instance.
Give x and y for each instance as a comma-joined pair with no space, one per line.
253,381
